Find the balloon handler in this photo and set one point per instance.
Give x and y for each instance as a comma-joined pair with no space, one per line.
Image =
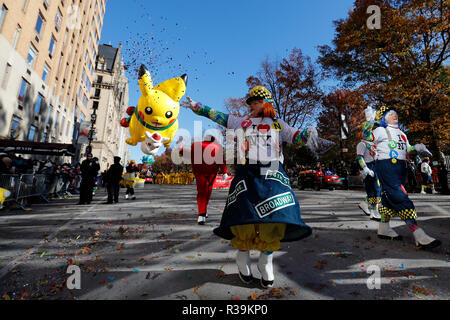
261,209
426,174
203,157
365,155
392,148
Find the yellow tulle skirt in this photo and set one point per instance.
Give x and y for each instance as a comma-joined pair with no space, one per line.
261,237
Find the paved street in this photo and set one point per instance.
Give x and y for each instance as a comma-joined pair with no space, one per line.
152,248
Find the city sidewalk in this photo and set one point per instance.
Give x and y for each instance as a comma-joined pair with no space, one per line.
152,248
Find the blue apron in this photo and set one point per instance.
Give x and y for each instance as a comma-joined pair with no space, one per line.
262,198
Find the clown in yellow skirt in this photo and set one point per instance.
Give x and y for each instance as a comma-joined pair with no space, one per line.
262,210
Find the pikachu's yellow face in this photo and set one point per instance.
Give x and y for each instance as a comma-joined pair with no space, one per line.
159,106
158,109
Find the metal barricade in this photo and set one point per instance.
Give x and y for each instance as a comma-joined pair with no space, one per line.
10,182
23,187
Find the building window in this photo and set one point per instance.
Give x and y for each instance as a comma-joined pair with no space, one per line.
99,79
50,109
56,119
31,55
44,137
46,3
39,23
68,127
3,15
6,76
15,127
63,121
45,73
25,5
23,90
31,133
16,36
38,105
58,20
51,47
97,93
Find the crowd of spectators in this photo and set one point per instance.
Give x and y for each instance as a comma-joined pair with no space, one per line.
61,180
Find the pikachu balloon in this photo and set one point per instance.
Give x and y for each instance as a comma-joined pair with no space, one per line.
154,121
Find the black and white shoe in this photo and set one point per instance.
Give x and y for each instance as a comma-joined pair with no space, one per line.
245,279
424,241
265,268
244,266
201,220
386,232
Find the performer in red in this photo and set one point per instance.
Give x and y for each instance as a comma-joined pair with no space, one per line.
205,167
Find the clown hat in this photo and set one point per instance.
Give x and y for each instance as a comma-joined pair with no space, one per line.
260,93
383,111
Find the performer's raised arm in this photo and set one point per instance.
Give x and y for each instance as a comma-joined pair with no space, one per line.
205,111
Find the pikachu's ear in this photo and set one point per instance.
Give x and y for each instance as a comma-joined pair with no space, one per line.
145,81
174,88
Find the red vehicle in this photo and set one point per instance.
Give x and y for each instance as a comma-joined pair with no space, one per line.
148,179
316,179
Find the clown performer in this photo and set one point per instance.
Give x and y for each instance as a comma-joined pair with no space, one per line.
392,148
427,179
365,154
261,209
205,171
130,176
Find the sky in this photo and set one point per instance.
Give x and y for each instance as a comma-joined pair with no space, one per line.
218,44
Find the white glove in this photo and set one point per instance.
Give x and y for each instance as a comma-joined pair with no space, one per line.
370,114
152,143
420,148
367,172
188,103
225,177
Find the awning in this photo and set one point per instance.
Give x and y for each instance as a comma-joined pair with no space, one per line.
42,148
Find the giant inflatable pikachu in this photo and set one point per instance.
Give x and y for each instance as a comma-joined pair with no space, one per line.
154,122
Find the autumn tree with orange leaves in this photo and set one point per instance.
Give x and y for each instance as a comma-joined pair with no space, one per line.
403,64
351,104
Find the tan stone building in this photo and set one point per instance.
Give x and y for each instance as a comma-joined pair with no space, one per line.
110,100
48,50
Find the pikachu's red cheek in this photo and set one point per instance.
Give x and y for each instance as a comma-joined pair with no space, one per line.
172,121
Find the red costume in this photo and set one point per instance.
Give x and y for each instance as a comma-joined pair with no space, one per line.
205,170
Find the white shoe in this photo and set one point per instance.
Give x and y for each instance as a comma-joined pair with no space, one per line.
126,196
424,241
201,220
386,232
374,214
244,266
434,191
133,197
265,267
364,207
423,192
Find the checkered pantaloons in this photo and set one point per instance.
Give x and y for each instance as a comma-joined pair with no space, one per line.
405,214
